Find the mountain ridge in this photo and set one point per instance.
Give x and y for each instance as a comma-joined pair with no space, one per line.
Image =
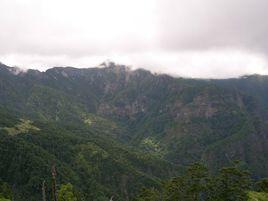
178,120
114,65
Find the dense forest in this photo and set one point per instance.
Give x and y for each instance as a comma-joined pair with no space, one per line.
196,183
112,133
230,183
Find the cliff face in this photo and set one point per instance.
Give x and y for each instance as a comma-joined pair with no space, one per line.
182,120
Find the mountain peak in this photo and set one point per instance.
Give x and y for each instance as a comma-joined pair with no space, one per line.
16,70
13,70
114,66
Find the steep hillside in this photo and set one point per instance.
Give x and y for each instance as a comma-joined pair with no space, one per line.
253,85
181,120
97,166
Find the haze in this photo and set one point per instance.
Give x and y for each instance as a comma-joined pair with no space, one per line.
193,38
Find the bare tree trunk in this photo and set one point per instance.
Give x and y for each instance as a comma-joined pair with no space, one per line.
44,191
54,187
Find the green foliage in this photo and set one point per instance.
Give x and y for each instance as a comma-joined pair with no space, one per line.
98,166
152,146
66,193
5,192
232,184
257,196
197,184
149,195
189,187
23,127
4,199
111,132
262,185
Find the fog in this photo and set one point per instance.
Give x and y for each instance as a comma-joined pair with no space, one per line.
206,39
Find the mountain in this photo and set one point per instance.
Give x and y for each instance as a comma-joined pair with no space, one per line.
159,122
98,166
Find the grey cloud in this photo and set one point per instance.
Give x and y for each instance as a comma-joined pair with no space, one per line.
193,24
200,38
181,25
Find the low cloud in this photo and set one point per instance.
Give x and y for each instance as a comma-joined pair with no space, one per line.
209,38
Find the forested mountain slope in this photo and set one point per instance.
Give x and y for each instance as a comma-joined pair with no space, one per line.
96,165
174,119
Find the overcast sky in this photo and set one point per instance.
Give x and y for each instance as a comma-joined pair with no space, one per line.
193,38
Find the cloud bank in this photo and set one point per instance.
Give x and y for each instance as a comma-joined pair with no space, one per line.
209,38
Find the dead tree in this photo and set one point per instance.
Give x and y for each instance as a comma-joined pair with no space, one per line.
54,187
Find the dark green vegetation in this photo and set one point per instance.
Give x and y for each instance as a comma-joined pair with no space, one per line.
230,184
112,131
98,166
5,191
258,196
